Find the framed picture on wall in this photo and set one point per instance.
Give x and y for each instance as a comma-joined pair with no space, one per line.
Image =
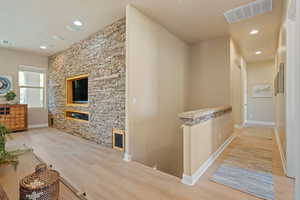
262,91
6,84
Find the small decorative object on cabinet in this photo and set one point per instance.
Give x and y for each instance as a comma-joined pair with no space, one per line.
41,185
14,116
10,96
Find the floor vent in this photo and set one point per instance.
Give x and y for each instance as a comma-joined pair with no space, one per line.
118,140
247,11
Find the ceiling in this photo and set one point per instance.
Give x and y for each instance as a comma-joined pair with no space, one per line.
31,23
267,38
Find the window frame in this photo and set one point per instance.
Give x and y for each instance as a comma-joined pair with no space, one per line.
24,68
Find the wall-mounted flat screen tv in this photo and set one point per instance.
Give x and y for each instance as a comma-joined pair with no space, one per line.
80,91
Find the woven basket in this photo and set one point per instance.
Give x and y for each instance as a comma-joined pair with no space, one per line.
41,185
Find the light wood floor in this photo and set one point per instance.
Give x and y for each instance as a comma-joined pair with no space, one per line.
102,174
10,177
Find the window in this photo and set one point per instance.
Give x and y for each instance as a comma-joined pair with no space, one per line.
32,86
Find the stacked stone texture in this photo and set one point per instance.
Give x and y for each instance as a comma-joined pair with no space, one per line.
102,56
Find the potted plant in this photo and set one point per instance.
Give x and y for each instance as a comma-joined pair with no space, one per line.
8,157
3,132
5,157
10,96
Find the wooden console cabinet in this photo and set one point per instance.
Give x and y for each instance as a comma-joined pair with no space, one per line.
14,116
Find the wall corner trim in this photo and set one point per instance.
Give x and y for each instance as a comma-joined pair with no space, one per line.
127,157
192,180
283,159
38,126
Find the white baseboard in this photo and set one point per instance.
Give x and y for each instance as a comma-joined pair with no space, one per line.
191,180
38,126
126,157
279,144
259,123
238,126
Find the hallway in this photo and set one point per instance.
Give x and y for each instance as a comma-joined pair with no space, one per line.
102,174
258,141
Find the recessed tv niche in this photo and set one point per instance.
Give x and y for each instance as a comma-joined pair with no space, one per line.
77,90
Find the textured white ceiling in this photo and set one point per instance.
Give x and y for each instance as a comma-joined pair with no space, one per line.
30,23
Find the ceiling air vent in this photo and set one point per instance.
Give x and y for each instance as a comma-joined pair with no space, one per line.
247,11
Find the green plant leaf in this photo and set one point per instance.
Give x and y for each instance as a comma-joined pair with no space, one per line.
10,96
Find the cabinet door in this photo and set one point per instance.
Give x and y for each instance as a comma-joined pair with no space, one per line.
5,116
14,117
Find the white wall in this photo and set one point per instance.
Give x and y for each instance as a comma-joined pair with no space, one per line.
10,60
291,23
280,99
157,63
236,83
297,151
287,104
244,67
216,77
260,109
292,90
209,74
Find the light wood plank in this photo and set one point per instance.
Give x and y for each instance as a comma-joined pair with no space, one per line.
102,174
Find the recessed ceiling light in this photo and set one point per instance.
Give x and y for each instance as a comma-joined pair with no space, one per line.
77,23
254,32
258,52
43,47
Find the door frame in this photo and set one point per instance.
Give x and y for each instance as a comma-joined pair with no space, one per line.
296,5
293,94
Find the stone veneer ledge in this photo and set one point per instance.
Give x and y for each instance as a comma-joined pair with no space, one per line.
102,56
199,116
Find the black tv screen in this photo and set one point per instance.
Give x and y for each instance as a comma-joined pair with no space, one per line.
80,91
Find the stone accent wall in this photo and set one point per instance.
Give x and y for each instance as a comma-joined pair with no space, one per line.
102,56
